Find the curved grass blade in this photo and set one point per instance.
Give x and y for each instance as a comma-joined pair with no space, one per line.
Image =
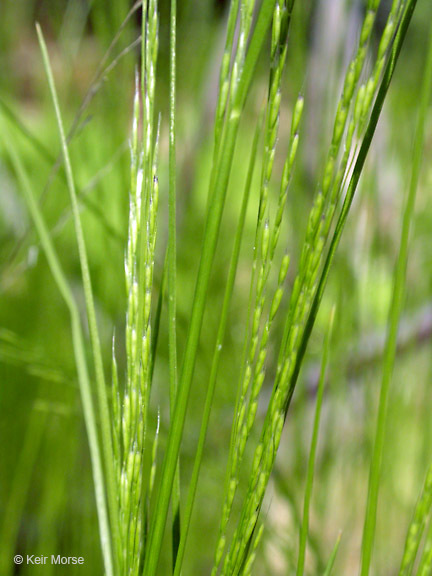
24,131
100,76
103,407
80,359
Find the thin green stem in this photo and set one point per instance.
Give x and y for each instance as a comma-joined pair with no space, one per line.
172,266
157,320
222,169
312,454
425,566
80,358
421,517
172,296
104,413
20,487
217,353
332,559
395,311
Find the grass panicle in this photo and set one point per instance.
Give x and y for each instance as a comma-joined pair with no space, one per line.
245,411
131,408
302,304
219,182
425,565
139,503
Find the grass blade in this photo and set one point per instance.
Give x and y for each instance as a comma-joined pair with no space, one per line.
425,566
21,483
312,453
172,265
91,314
80,359
25,132
207,257
396,306
415,532
333,555
157,320
217,352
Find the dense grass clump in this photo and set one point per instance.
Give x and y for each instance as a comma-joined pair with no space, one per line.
235,280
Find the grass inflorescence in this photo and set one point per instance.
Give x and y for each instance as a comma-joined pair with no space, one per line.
136,450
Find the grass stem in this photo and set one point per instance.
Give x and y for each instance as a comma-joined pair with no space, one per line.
80,359
395,311
104,414
312,453
172,266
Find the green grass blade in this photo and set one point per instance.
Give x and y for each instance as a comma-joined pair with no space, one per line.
333,555
217,353
312,453
24,131
100,77
262,26
425,566
157,322
80,358
207,256
91,314
287,490
415,531
172,266
172,253
20,486
396,306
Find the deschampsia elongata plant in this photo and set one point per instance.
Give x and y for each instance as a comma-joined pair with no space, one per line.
134,491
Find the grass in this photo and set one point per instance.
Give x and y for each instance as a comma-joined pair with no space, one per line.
78,342
312,457
393,323
235,353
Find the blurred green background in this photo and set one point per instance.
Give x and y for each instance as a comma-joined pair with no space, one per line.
46,494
